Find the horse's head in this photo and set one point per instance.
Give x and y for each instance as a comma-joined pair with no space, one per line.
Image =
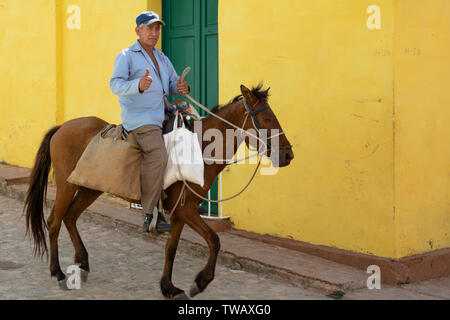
262,117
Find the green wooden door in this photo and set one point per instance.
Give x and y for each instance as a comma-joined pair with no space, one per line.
190,39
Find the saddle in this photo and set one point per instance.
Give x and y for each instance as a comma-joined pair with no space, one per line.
112,160
111,163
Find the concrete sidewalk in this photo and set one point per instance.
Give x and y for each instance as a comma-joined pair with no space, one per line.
240,250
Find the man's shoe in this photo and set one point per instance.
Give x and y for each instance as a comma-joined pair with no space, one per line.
147,221
161,223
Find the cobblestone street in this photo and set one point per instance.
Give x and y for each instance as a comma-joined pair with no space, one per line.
124,265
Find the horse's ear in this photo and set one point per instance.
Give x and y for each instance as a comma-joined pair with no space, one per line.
248,95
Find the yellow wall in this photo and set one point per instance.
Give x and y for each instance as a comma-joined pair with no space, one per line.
331,84
336,87
27,77
89,54
51,74
333,87
422,126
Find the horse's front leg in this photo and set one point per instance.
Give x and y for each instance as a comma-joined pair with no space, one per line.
167,288
204,277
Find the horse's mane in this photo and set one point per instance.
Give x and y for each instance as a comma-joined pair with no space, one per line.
261,95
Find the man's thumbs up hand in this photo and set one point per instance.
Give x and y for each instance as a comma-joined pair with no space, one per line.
146,81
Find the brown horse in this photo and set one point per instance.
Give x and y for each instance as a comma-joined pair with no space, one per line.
63,146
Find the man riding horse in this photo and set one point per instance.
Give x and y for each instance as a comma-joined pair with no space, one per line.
142,76
142,104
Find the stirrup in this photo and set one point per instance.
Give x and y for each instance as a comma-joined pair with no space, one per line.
160,226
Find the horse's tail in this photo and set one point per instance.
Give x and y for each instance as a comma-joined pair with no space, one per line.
37,193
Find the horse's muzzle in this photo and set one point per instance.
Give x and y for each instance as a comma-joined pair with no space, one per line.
284,158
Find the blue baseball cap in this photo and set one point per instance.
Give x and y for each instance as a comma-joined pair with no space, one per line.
148,17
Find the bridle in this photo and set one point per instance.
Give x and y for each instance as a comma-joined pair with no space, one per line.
256,125
248,110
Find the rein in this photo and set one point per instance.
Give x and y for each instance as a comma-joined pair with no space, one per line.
256,125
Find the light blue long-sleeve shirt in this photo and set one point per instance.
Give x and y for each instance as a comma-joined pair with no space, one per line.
139,109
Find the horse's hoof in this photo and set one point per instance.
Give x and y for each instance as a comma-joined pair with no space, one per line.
181,296
63,284
194,290
84,275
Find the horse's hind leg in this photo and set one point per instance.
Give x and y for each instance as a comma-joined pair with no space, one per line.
64,196
167,288
84,198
